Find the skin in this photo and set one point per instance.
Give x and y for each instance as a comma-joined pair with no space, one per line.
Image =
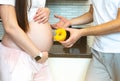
42,15
75,34
15,37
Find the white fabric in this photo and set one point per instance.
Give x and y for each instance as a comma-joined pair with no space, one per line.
35,5
105,11
104,67
16,65
8,2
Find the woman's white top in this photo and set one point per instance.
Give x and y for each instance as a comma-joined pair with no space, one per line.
35,5
105,11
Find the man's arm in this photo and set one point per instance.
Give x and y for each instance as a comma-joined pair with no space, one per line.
83,19
106,28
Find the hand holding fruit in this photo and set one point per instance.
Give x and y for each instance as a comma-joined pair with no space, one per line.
60,34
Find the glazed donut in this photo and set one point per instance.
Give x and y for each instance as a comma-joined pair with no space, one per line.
60,34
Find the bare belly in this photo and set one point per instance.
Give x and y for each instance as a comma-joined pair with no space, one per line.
41,35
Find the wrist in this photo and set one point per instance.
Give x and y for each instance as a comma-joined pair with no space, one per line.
38,56
70,22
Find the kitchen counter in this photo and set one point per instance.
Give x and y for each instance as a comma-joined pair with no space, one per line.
79,50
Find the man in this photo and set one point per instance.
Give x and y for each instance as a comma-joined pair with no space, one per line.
105,14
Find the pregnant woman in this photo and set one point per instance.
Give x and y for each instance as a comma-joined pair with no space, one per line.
26,41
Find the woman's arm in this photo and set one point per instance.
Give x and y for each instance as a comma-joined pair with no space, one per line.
13,30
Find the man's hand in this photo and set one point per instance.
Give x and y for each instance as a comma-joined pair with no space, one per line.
63,22
75,35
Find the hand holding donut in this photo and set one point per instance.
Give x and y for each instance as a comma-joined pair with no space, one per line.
60,34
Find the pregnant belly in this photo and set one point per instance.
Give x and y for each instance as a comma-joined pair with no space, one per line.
41,35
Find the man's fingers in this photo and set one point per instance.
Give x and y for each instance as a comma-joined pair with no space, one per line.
57,16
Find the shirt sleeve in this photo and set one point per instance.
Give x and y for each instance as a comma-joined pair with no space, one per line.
8,2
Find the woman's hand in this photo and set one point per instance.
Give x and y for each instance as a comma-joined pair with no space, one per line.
75,35
44,57
63,22
42,15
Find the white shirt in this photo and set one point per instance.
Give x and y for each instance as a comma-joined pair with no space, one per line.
8,2
105,11
35,5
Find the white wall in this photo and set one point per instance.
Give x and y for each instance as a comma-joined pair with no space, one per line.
68,69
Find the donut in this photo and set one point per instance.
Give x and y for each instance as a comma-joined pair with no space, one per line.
60,34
